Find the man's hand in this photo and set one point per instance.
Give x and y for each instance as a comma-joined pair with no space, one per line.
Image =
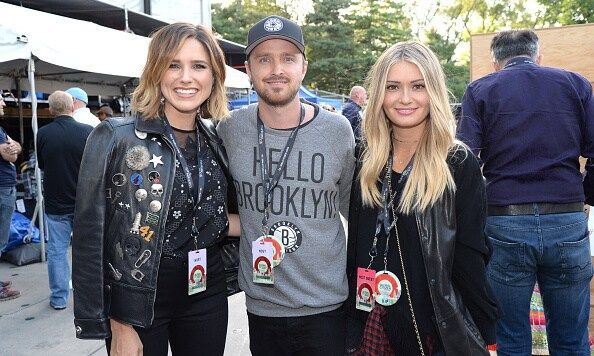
13,146
124,340
587,210
9,150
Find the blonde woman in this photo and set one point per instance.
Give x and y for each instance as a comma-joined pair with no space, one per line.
151,209
416,247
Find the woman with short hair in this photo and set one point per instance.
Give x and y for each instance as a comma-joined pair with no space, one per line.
151,208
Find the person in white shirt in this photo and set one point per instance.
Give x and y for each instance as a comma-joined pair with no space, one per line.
82,113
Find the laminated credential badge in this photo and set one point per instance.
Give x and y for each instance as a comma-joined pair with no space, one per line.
262,253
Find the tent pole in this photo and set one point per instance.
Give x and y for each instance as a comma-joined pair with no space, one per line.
39,206
20,104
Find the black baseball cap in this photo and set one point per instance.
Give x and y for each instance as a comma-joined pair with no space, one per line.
275,27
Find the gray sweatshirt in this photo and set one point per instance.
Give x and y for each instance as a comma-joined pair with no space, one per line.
313,191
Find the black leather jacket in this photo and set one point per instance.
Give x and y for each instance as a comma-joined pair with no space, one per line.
114,269
437,230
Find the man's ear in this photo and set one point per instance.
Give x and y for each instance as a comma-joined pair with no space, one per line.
305,63
247,69
496,66
538,58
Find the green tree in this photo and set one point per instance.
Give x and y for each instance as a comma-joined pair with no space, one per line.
463,18
330,47
566,12
344,39
457,74
377,25
234,20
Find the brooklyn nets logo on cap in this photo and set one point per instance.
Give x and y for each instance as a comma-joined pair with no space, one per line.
273,24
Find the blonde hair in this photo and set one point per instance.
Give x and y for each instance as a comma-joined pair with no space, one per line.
430,175
60,103
165,44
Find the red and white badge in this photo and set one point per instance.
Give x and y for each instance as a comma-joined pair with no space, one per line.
196,271
262,257
387,288
365,282
279,249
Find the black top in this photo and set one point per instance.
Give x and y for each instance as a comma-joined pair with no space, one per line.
468,272
211,214
400,325
60,146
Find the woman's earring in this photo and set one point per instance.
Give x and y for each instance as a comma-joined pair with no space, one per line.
162,100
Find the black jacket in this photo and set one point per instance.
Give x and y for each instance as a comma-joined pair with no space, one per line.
60,161
437,229
114,269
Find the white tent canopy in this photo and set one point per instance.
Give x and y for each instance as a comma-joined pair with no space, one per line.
70,52
46,52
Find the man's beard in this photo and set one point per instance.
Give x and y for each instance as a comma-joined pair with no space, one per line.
265,96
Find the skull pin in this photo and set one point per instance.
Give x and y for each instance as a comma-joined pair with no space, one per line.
157,189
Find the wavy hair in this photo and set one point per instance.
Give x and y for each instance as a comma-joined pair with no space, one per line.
165,44
430,175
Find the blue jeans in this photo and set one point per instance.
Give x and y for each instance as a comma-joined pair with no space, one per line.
553,249
7,199
59,231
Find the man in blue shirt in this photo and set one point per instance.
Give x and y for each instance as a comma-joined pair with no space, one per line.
529,124
352,108
9,150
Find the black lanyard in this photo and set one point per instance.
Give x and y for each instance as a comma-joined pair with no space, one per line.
184,164
389,201
271,182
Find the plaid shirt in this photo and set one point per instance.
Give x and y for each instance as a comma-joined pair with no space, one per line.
375,340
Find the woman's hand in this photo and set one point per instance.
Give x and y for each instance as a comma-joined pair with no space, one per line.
124,340
234,225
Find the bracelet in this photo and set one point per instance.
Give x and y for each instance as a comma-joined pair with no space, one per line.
492,347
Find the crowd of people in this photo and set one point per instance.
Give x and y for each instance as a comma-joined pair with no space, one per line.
450,224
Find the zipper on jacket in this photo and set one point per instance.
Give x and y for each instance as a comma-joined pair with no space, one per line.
165,210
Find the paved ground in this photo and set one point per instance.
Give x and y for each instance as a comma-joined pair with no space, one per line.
29,326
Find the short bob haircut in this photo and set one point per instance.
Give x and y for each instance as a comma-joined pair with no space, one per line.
165,44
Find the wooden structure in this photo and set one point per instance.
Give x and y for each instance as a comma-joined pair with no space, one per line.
567,47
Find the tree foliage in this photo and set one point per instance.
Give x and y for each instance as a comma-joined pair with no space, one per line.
345,37
566,12
331,49
234,21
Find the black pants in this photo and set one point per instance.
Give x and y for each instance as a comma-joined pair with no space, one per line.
192,325
313,335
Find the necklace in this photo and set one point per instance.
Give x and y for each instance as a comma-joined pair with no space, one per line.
183,130
403,141
400,159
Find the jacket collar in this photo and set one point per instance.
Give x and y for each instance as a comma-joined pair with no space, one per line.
519,60
154,126
351,101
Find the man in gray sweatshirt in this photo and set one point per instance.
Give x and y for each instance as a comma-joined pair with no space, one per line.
292,165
